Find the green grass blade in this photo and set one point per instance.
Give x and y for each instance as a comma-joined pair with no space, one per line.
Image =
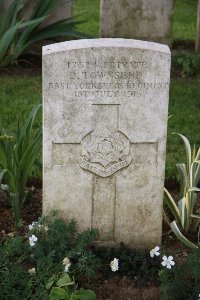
10,179
2,172
28,160
25,133
3,157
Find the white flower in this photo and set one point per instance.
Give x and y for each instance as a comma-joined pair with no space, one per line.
155,251
31,226
32,240
32,188
66,263
31,271
114,264
67,268
168,262
11,234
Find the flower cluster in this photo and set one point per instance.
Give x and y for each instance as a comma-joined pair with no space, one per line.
37,226
32,240
31,271
114,264
66,263
167,261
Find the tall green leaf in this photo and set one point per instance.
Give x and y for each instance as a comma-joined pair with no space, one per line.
172,205
181,237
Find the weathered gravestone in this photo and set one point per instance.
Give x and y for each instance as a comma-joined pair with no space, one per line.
105,123
139,19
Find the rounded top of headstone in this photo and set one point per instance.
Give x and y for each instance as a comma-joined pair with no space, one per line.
105,43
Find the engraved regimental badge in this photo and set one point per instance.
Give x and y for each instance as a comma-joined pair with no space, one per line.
105,155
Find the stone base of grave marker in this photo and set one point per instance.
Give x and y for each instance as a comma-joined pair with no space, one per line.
105,123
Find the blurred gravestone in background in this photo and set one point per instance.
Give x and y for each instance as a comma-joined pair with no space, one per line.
197,42
139,19
63,11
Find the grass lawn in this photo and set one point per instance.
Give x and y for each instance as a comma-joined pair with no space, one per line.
184,19
17,97
184,107
90,10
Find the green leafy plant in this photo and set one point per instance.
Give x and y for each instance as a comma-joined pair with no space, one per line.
16,34
183,281
38,270
186,219
62,240
17,157
63,287
15,280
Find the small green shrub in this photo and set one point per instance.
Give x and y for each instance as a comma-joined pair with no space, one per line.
188,64
62,240
183,281
15,281
25,270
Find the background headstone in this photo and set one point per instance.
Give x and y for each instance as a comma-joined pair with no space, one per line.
105,123
137,19
197,41
63,11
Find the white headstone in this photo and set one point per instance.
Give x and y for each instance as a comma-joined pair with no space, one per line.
105,125
137,19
